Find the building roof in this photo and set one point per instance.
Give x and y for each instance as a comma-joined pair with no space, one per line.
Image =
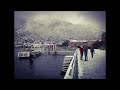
74,41
78,41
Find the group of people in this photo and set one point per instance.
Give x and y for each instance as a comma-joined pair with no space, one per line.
84,50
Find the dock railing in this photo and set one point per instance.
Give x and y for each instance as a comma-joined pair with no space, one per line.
70,74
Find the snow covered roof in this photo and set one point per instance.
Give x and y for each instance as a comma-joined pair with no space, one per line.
92,40
82,40
74,41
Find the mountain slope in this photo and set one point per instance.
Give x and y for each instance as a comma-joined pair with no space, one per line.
56,30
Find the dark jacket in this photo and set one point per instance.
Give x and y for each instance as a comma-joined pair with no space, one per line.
85,49
92,49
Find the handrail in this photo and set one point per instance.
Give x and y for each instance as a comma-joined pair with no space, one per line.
71,69
70,72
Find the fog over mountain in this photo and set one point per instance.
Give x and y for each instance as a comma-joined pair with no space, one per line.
54,29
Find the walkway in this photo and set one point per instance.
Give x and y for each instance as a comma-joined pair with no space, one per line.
94,68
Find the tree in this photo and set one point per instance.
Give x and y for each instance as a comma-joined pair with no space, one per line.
65,43
103,37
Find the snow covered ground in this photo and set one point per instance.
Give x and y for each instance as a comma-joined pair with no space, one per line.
94,68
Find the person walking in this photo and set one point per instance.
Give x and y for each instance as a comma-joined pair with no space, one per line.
85,49
92,51
81,52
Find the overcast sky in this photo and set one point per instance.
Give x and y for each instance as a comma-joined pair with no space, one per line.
95,18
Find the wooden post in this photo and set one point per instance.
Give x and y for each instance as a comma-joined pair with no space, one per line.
53,48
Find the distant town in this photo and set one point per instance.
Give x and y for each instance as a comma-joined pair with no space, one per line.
68,43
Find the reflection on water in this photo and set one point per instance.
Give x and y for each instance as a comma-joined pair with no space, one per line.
31,61
43,67
31,66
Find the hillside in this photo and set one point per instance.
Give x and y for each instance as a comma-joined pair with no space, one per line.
55,30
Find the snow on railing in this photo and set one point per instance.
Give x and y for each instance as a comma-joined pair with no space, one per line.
71,69
70,74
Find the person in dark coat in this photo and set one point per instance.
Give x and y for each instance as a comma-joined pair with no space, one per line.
85,49
81,52
92,51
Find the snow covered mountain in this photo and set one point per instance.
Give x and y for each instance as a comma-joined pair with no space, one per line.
55,30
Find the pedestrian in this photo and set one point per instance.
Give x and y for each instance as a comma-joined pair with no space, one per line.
92,51
85,49
81,52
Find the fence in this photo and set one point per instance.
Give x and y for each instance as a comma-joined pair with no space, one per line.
70,74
